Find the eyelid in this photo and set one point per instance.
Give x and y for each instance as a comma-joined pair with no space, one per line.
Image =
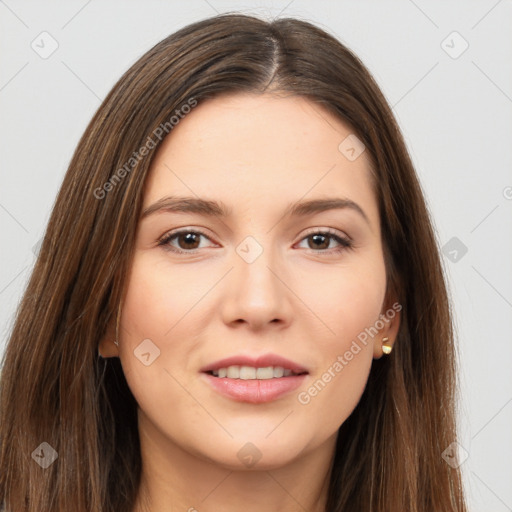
330,231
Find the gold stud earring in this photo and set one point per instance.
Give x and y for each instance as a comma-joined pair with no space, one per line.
386,348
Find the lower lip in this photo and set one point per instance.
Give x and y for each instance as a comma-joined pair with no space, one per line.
255,391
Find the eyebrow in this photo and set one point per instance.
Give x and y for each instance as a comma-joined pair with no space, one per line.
218,209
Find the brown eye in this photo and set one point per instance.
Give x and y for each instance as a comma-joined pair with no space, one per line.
320,241
188,240
182,241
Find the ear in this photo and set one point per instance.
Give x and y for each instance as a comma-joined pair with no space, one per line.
390,322
106,345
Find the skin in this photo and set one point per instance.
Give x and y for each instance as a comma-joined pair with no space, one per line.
256,154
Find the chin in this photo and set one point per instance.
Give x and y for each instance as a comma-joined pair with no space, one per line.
255,453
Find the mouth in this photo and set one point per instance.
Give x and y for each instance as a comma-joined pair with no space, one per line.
254,380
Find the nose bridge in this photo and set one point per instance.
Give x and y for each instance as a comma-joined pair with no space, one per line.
254,293
254,260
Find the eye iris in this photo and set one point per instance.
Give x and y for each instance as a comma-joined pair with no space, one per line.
319,238
190,238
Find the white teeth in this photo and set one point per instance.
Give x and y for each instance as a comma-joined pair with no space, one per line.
251,373
233,372
247,372
265,373
279,371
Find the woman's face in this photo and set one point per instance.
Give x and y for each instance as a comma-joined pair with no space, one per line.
248,337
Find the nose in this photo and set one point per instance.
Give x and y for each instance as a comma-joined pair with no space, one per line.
256,294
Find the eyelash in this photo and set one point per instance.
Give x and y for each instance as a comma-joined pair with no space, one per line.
344,243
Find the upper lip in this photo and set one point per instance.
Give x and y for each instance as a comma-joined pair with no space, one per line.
262,361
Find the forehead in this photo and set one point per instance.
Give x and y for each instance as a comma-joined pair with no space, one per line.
260,149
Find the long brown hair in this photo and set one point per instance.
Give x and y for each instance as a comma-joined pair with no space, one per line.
56,389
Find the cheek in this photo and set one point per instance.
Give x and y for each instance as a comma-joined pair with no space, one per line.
346,301
349,304
156,298
151,309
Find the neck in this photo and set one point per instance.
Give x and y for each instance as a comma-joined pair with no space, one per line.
175,479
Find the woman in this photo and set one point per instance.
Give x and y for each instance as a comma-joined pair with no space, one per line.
239,300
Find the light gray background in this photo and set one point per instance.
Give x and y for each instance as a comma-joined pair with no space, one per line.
456,115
